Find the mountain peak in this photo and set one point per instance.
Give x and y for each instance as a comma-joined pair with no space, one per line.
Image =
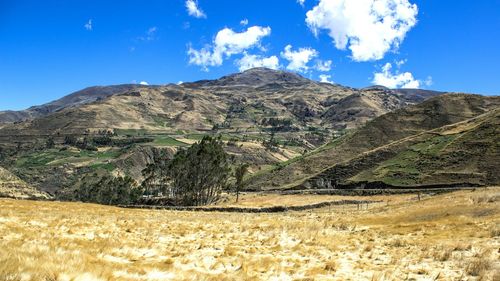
256,77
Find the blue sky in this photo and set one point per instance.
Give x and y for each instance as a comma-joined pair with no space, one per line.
51,48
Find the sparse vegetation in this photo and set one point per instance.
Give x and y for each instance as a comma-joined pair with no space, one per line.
478,266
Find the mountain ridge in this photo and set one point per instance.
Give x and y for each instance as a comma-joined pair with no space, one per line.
256,78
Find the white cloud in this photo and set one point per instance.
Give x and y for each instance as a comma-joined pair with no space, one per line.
194,10
301,2
428,82
400,63
151,31
369,28
150,34
323,66
325,78
88,25
251,61
143,83
227,43
298,59
244,22
395,80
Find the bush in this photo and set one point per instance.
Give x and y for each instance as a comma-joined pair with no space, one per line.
49,143
70,140
104,140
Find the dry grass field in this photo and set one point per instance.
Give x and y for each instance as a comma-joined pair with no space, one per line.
452,236
257,199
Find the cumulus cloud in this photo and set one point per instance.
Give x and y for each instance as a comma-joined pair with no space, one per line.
369,28
301,2
227,43
325,78
143,83
244,22
299,59
251,61
395,80
194,10
88,25
323,65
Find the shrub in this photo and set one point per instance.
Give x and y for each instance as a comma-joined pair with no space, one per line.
49,143
478,266
70,140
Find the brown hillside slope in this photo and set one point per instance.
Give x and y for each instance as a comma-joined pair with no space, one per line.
434,113
12,186
75,99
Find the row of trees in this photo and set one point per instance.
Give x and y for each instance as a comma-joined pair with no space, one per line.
194,176
108,190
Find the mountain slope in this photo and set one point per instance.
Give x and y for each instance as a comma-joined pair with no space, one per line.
12,186
431,114
463,153
75,99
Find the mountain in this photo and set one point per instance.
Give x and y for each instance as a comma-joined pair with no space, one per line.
389,129
255,77
236,101
265,116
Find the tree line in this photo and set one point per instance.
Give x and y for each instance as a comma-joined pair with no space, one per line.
192,177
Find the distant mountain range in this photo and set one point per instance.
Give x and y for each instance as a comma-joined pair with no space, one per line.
199,105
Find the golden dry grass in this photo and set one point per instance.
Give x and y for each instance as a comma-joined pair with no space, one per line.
447,237
276,199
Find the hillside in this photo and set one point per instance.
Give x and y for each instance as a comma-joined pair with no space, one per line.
12,186
397,125
78,98
464,153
